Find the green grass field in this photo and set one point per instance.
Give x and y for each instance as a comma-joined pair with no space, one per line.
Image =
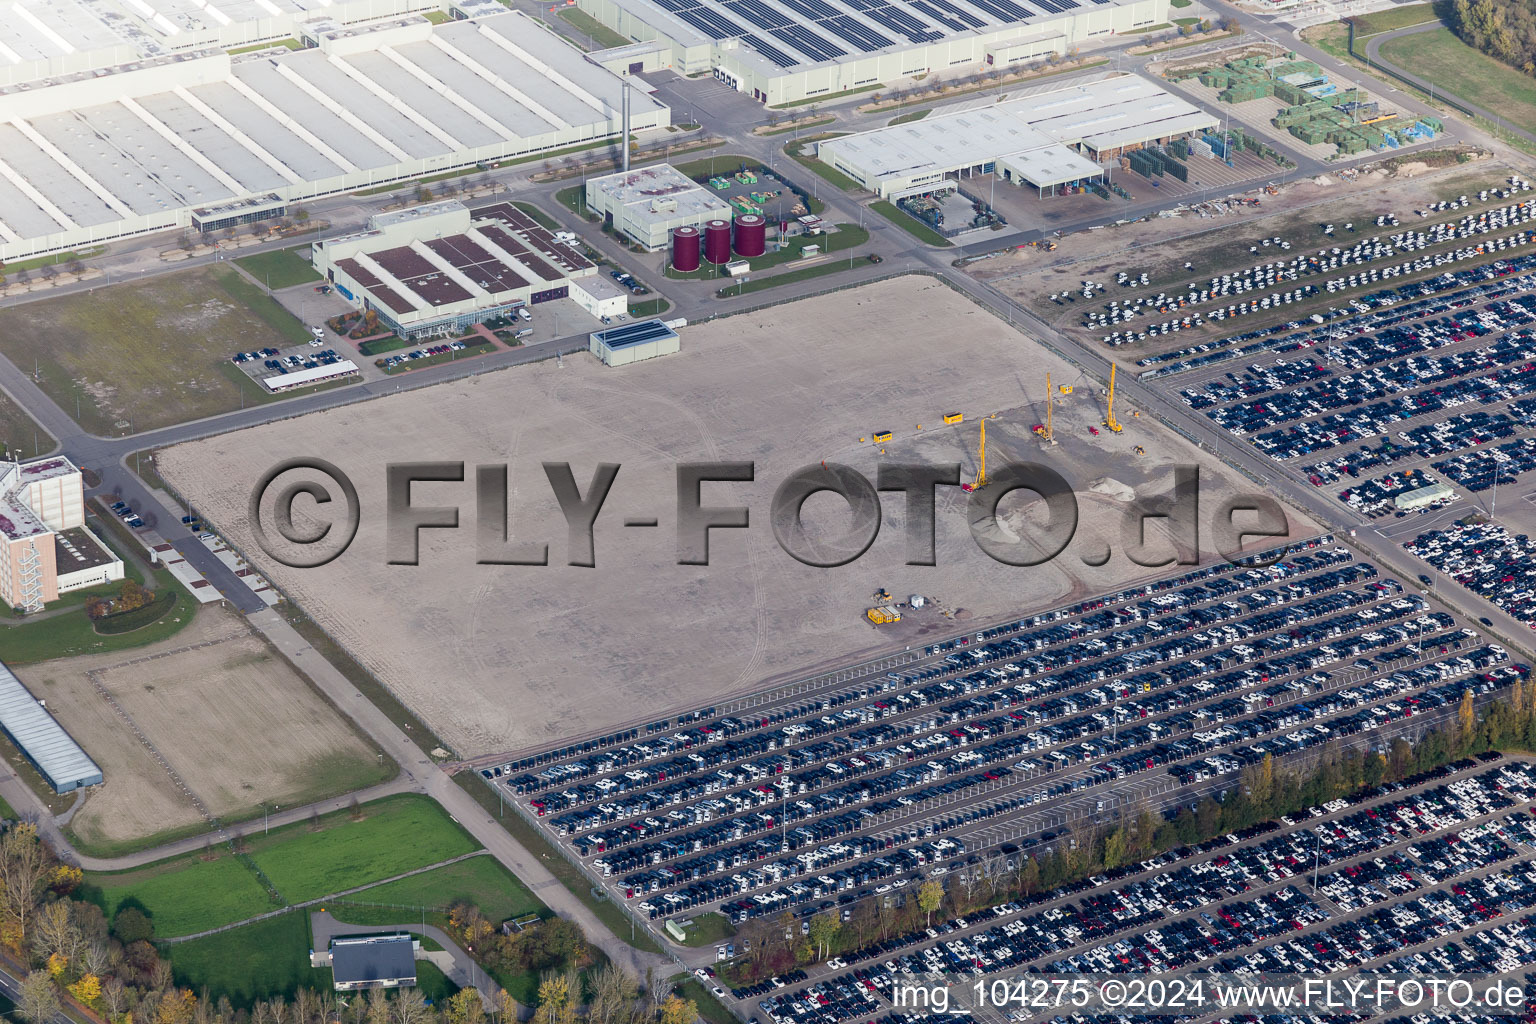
24,642
280,268
1392,19
758,284
1446,61
66,630
292,44
710,1008
600,34
826,172
397,834
709,929
911,225
18,430
58,259
915,115
257,961
811,125
186,895
183,895
479,880
149,353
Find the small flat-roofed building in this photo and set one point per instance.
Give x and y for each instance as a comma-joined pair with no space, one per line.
1048,139
1419,497
645,204
322,374
373,961
45,547
35,732
600,295
644,339
438,269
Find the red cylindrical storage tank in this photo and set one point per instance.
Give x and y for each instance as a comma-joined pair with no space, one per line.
751,235
717,241
685,248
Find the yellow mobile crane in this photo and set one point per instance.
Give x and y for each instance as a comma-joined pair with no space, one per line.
1109,417
981,474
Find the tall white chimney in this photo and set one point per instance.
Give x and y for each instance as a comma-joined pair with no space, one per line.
624,107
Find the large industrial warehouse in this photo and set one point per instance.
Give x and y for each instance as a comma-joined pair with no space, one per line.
1040,141
97,156
440,268
783,51
49,38
39,736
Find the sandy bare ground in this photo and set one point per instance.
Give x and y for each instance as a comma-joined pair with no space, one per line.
233,720
499,658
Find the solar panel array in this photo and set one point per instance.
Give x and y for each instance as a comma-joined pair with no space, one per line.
813,31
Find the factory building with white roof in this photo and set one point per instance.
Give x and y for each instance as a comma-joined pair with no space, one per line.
203,138
1040,141
789,51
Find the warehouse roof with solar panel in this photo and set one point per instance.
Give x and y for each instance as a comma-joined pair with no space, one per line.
783,51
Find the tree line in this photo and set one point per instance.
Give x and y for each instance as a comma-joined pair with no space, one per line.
1503,29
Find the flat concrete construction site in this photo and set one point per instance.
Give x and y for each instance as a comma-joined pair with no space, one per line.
501,658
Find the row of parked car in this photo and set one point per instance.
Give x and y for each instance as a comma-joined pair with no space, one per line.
689,863
705,891
645,763
1415,686
423,353
1459,435
1344,282
1366,402
1363,314
307,361
1480,469
1376,498
1488,560
245,357
1275,273
629,281
1306,622
1235,903
123,511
